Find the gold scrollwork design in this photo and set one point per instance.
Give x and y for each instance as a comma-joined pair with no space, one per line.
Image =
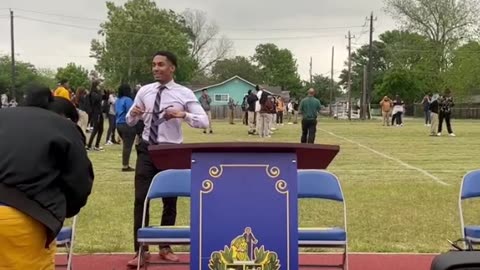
273,171
281,186
216,172
207,186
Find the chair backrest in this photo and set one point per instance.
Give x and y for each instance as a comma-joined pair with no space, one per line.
470,185
319,184
170,183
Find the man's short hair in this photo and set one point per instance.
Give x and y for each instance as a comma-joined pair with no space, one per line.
38,96
169,55
65,108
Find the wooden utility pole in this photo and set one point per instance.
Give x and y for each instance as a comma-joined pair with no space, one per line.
349,79
12,42
363,99
369,69
332,86
311,66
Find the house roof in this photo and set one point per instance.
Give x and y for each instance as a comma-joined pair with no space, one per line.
274,90
196,86
224,82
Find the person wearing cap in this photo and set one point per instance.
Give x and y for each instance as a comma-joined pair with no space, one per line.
62,90
45,177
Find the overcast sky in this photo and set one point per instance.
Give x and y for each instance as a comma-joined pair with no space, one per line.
297,25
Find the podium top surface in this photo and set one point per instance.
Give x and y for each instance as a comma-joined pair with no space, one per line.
178,156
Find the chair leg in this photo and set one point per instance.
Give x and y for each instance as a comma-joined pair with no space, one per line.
140,256
70,255
345,259
145,263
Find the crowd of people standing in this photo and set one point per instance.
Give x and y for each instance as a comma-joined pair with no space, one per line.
94,106
436,108
263,112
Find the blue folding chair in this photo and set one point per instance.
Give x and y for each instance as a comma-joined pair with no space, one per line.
470,189
66,239
168,183
318,184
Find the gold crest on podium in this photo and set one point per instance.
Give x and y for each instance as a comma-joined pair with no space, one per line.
243,254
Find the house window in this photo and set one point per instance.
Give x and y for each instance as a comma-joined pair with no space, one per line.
221,97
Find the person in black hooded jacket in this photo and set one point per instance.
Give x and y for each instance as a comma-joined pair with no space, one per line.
95,99
45,177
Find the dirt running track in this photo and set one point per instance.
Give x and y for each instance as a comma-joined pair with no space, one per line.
356,262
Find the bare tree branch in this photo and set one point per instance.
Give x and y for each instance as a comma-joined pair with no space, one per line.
444,22
207,48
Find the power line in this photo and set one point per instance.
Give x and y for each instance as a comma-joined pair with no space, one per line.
60,15
292,29
159,35
226,29
57,23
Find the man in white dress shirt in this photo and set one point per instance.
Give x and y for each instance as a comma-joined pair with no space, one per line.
180,104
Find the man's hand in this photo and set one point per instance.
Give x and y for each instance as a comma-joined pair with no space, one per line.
172,113
136,111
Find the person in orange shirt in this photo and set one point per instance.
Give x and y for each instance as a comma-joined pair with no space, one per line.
62,90
386,105
280,110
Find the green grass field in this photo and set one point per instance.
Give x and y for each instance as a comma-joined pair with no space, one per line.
401,186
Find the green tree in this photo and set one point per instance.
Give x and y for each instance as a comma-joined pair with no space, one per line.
415,55
77,76
241,66
131,35
46,77
359,60
278,67
397,56
463,76
26,74
402,82
322,86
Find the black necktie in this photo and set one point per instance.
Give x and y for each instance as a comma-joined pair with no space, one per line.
153,137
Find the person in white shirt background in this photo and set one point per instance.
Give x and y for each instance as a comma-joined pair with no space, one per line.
180,104
257,107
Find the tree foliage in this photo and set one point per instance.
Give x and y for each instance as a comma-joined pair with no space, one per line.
278,67
76,75
404,63
444,22
463,76
359,60
241,66
131,35
26,73
322,86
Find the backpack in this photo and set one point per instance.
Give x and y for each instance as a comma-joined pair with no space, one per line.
269,105
244,104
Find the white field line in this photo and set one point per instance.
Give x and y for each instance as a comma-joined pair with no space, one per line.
436,179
